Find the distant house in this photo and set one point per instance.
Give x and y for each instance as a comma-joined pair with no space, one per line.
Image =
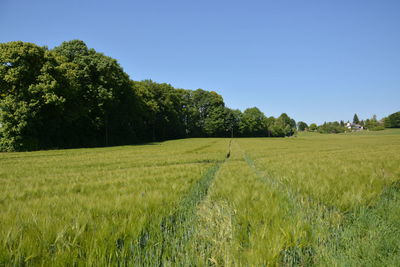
354,127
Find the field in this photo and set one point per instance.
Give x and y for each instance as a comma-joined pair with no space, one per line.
324,200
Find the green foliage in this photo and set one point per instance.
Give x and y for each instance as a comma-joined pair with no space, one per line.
377,128
313,127
252,123
282,126
20,66
355,119
373,124
70,96
302,126
218,122
331,127
233,119
204,109
161,110
28,92
101,107
15,131
392,121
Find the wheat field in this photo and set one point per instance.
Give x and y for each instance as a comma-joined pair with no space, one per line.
311,200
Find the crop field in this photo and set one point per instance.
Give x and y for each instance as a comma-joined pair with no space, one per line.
311,200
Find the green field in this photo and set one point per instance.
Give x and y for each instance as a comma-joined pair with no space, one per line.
325,200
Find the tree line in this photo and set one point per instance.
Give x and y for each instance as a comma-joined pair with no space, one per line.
372,124
73,96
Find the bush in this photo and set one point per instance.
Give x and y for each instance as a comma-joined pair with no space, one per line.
378,128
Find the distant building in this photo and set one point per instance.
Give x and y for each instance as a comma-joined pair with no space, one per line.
354,127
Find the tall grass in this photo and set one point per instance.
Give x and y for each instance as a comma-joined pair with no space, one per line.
338,170
91,206
318,200
340,184
244,221
311,200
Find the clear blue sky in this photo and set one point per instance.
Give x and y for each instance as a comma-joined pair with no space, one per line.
315,60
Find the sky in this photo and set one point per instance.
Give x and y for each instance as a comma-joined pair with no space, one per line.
317,61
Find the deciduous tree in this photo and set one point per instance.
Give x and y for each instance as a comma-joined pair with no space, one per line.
302,126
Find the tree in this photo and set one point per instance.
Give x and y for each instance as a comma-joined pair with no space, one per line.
270,124
287,125
252,123
161,110
99,97
331,127
281,126
20,66
355,119
302,126
313,127
28,90
70,96
392,121
217,123
201,104
373,124
73,96
234,117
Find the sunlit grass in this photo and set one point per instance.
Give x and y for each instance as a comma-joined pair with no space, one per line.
244,220
338,170
339,184
91,205
308,200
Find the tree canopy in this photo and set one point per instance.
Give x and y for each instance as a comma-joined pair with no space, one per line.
73,96
393,120
355,119
302,126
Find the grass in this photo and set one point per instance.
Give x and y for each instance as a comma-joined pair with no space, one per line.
388,131
92,206
309,200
